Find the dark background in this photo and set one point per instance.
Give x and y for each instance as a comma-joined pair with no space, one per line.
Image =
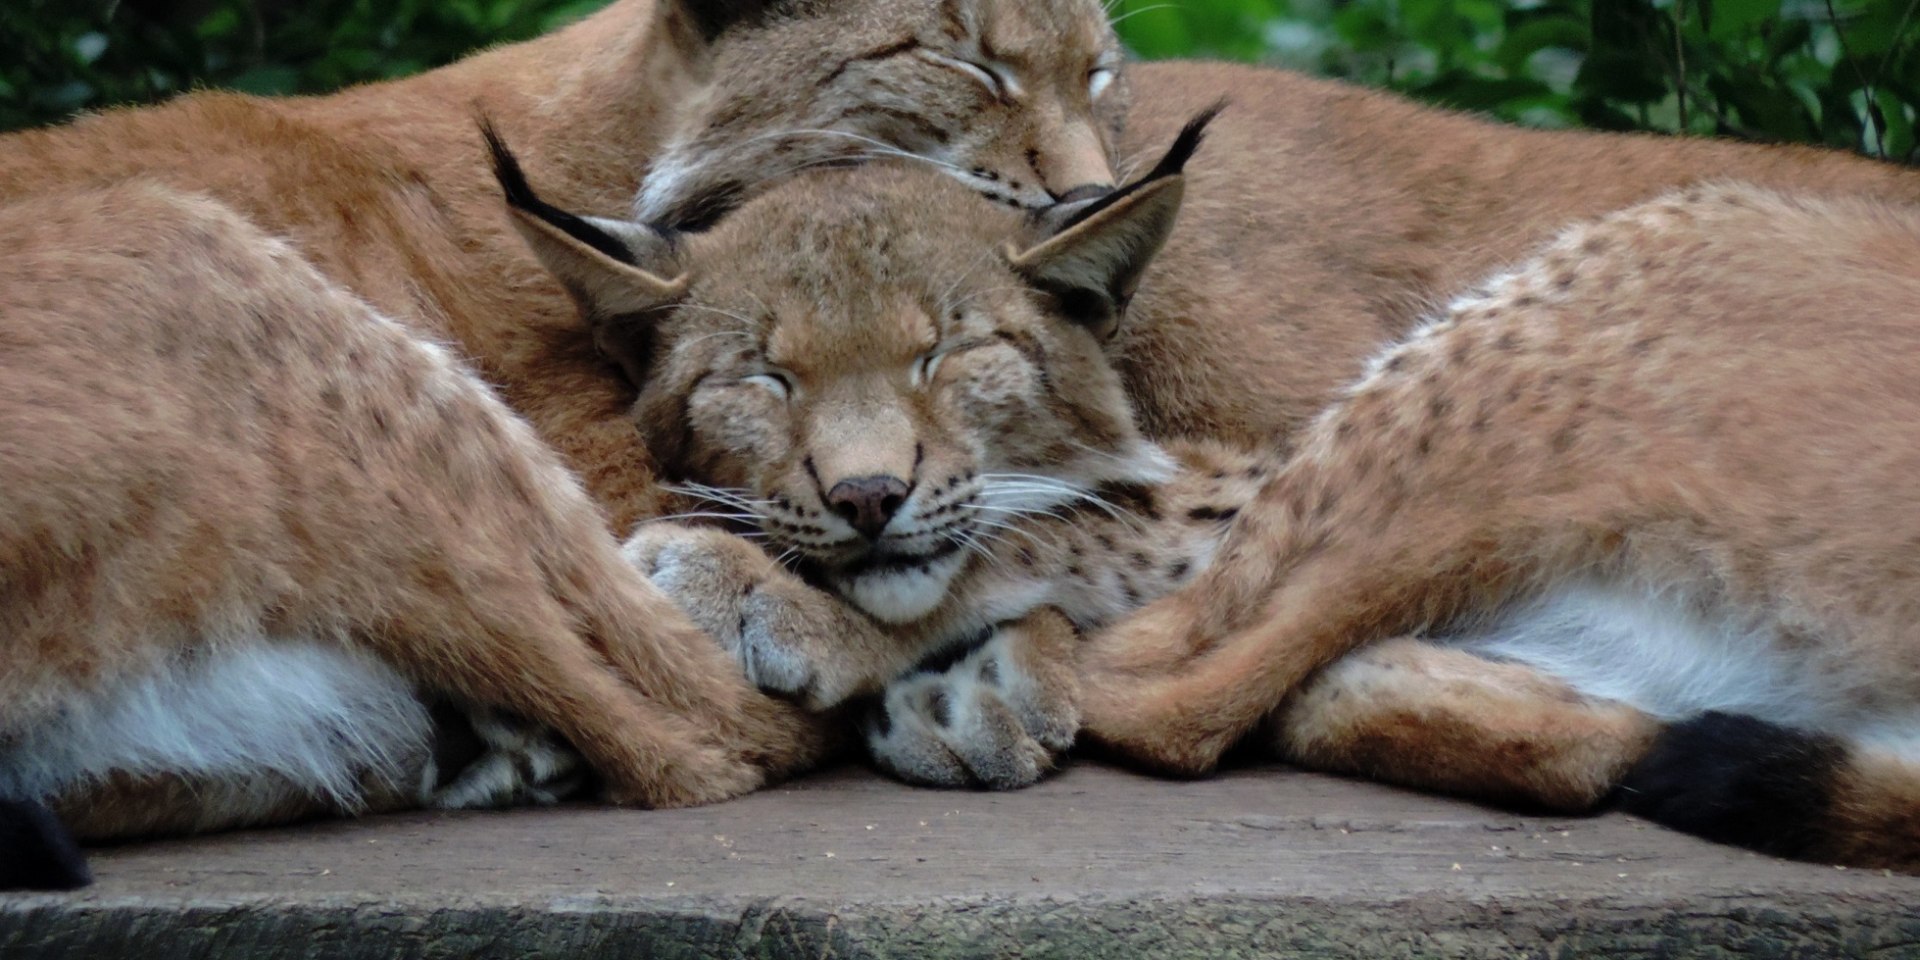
1840,72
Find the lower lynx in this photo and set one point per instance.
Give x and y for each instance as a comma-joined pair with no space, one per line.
1631,505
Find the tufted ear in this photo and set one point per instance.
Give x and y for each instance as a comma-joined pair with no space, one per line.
1092,253
616,270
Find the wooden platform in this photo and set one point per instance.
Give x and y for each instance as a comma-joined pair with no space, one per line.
1095,863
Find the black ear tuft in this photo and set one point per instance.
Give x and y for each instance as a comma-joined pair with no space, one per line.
1187,143
520,196
1172,164
36,851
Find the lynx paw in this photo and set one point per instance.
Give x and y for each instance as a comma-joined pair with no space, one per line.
790,638
519,764
1000,718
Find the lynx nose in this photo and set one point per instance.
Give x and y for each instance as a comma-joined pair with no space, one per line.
868,503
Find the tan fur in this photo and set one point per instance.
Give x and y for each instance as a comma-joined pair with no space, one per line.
1708,392
1323,221
387,210
258,454
1410,711
1376,207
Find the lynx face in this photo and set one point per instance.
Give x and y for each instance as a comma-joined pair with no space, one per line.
880,409
1021,100
873,368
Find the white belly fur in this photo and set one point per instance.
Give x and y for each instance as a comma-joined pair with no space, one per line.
311,712
1670,659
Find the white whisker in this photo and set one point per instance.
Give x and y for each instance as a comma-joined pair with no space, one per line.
1130,14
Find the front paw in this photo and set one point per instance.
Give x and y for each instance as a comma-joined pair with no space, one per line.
789,638
1000,718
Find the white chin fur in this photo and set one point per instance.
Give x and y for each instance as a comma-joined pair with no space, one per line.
905,595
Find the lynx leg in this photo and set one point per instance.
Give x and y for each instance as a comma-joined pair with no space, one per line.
1424,715
1471,462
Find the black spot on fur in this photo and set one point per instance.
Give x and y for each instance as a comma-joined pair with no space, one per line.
946,658
1134,497
36,851
1213,513
1738,780
1178,571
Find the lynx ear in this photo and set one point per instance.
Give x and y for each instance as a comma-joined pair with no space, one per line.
615,270
1093,252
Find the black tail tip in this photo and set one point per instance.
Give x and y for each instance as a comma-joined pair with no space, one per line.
1738,780
36,851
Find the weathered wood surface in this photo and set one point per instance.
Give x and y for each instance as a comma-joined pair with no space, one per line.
1095,863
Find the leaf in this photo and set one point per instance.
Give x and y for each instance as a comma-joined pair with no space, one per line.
1786,37
1890,115
1534,36
1734,19
1763,108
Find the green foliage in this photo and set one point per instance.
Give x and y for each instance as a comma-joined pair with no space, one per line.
1840,72
67,55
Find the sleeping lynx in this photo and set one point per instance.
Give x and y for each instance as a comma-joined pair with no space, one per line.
1650,473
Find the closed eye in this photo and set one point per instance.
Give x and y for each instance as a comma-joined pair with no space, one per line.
777,382
993,80
928,366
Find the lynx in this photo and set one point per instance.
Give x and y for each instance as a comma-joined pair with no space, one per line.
1664,462
1570,487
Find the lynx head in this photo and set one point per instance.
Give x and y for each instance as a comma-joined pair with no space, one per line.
871,365
1020,100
